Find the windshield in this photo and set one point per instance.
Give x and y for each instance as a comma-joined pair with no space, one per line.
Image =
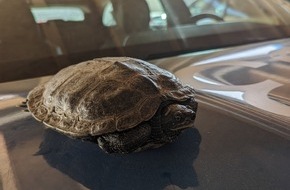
43,36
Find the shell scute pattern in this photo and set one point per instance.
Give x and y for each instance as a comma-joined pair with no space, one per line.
103,96
35,104
149,106
119,101
103,126
82,125
168,83
144,84
122,122
54,119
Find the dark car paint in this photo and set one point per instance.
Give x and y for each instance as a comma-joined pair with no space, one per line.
222,152
253,80
227,149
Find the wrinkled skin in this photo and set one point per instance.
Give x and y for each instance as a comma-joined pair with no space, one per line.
163,128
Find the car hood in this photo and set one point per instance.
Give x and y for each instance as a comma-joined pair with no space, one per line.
251,81
234,144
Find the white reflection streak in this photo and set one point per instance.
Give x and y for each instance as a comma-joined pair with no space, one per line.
7,96
243,54
231,94
13,117
204,80
163,16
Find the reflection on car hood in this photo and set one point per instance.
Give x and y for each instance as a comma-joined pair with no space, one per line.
250,81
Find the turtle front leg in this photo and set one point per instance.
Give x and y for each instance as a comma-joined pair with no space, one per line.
128,141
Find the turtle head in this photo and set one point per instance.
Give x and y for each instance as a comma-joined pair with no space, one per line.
176,117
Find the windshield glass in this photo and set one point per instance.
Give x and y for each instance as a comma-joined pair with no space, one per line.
43,36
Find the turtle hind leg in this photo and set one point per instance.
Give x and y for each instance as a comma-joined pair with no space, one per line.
125,142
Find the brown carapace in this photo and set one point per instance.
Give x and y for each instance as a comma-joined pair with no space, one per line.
122,104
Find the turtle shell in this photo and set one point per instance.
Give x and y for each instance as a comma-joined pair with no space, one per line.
104,95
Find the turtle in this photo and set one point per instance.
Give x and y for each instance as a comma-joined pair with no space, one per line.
123,104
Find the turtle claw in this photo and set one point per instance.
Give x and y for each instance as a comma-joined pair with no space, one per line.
23,105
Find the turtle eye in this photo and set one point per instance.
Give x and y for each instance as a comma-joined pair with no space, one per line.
177,117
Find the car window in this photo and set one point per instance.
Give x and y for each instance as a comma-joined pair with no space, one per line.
65,13
157,15
229,11
45,36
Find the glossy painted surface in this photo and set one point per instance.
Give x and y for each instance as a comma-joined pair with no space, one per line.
232,146
222,152
252,80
